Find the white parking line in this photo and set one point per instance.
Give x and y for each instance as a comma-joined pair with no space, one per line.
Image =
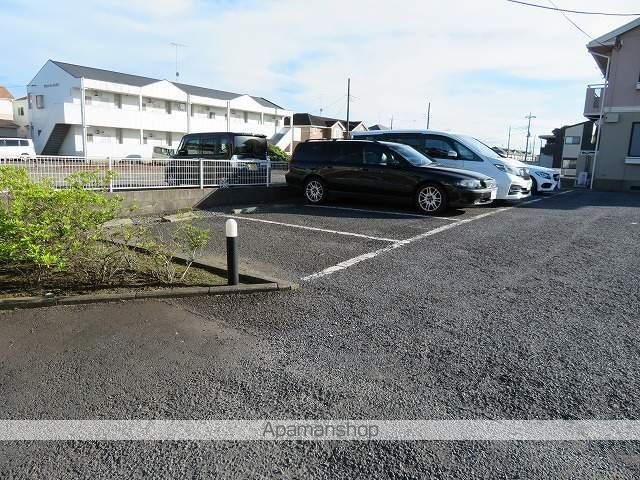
367,256
314,229
386,212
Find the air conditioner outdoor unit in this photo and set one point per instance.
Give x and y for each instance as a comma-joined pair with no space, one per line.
583,179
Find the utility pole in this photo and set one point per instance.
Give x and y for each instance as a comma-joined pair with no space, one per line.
533,150
176,45
526,149
428,114
348,105
509,141
391,128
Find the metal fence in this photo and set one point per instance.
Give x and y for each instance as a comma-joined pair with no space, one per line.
140,173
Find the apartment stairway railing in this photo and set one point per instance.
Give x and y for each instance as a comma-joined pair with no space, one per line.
58,134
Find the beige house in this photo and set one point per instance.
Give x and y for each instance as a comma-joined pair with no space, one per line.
8,128
313,127
615,106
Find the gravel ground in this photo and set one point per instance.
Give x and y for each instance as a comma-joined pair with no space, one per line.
527,314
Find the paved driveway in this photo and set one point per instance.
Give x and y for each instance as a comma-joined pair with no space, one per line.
519,313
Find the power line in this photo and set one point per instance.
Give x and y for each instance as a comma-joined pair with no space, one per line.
325,108
580,12
569,20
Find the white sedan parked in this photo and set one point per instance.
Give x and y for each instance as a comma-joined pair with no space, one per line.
544,179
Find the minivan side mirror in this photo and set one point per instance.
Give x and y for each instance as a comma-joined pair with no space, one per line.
452,154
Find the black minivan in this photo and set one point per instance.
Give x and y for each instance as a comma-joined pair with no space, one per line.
227,157
371,168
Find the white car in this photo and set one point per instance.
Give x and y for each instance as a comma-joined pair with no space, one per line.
462,151
16,148
544,179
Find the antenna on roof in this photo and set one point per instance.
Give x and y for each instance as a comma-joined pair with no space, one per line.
176,45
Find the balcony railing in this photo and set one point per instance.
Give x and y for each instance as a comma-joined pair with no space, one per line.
593,100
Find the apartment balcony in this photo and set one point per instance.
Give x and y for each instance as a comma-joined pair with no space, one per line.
112,117
164,122
204,124
593,101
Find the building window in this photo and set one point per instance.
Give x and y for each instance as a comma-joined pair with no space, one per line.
119,136
182,107
168,139
89,137
88,99
29,102
212,115
634,143
144,140
168,107
117,100
21,111
40,101
572,140
193,110
246,117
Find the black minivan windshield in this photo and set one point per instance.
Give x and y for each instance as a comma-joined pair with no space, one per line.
410,155
254,147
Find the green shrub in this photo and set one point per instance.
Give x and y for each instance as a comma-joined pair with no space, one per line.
187,239
277,154
43,228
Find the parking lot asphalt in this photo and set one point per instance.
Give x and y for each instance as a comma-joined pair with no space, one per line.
501,312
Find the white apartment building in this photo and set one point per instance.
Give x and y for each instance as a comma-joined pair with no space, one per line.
83,111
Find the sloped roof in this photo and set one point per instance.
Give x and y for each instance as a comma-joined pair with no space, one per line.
307,119
8,124
378,126
4,93
206,92
613,34
220,94
78,71
605,43
266,103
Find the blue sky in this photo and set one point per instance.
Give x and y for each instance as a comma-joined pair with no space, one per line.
483,64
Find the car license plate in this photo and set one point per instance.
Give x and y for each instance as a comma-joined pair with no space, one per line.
494,194
252,167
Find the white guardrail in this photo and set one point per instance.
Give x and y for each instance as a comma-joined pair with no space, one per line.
142,173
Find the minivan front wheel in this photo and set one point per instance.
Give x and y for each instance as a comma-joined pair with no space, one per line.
314,190
431,199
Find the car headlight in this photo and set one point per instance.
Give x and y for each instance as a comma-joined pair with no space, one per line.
506,168
543,175
470,183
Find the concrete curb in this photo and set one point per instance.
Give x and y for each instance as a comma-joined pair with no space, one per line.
168,292
252,282
180,217
247,277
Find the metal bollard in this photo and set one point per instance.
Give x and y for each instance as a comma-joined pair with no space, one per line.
231,231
